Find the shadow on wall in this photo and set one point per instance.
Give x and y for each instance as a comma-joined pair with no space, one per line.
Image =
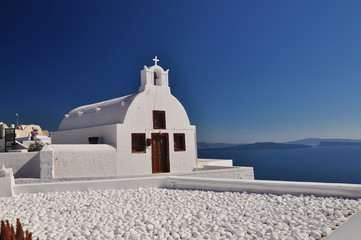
31,169
24,165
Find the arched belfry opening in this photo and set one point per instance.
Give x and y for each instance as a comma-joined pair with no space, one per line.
154,76
158,77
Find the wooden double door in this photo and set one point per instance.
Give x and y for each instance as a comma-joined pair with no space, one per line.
160,153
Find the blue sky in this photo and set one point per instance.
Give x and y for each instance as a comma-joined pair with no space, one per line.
245,71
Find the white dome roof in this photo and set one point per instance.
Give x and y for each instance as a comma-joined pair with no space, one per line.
98,114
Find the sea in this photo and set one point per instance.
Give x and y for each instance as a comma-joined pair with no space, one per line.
336,164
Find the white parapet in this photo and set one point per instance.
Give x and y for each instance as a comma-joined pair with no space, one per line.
266,186
186,182
101,184
47,163
202,162
6,182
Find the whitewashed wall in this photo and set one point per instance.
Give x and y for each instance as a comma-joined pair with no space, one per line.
84,161
23,164
6,182
139,119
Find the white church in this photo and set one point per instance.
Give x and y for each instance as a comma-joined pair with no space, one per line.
138,134
142,134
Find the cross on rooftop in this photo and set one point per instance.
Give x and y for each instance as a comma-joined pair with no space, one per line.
155,60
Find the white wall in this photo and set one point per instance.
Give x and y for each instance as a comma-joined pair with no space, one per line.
92,160
6,182
141,163
202,162
280,187
139,119
23,164
223,172
183,161
151,182
140,112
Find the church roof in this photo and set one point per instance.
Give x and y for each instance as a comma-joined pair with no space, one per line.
153,92
98,114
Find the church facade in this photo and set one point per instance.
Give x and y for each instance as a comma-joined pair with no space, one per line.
139,134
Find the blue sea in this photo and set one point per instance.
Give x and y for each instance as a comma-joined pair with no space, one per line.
314,164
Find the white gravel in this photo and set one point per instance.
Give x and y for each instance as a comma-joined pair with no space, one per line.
176,214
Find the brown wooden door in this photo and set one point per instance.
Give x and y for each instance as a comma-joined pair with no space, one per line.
160,153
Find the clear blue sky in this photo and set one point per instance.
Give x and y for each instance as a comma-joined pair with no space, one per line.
245,71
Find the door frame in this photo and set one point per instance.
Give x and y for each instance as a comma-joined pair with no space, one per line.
163,162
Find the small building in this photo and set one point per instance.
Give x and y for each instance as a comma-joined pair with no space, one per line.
22,136
3,143
138,134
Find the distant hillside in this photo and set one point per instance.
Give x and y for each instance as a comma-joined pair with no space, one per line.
306,141
317,141
266,145
302,143
335,144
204,145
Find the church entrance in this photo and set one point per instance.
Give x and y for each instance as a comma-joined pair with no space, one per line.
160,153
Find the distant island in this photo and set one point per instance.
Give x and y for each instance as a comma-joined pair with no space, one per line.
204,145
317,141
264,145
335,144
267,145
301,143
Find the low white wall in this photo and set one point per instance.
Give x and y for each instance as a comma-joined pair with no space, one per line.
47,163
146,182
222,172
6,182
201,162
177,182
84,160
278,187
23,164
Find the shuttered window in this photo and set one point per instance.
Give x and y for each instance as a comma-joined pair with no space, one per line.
179,142
159,119
138,142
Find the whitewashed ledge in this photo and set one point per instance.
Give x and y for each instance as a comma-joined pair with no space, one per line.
278,187
208,171
200,183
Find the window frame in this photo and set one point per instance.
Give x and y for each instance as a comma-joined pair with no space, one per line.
143,142
163,119
176,143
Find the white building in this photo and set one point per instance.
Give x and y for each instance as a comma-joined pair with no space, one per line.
22,133
139,134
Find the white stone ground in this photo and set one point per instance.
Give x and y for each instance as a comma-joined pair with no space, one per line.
176,214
